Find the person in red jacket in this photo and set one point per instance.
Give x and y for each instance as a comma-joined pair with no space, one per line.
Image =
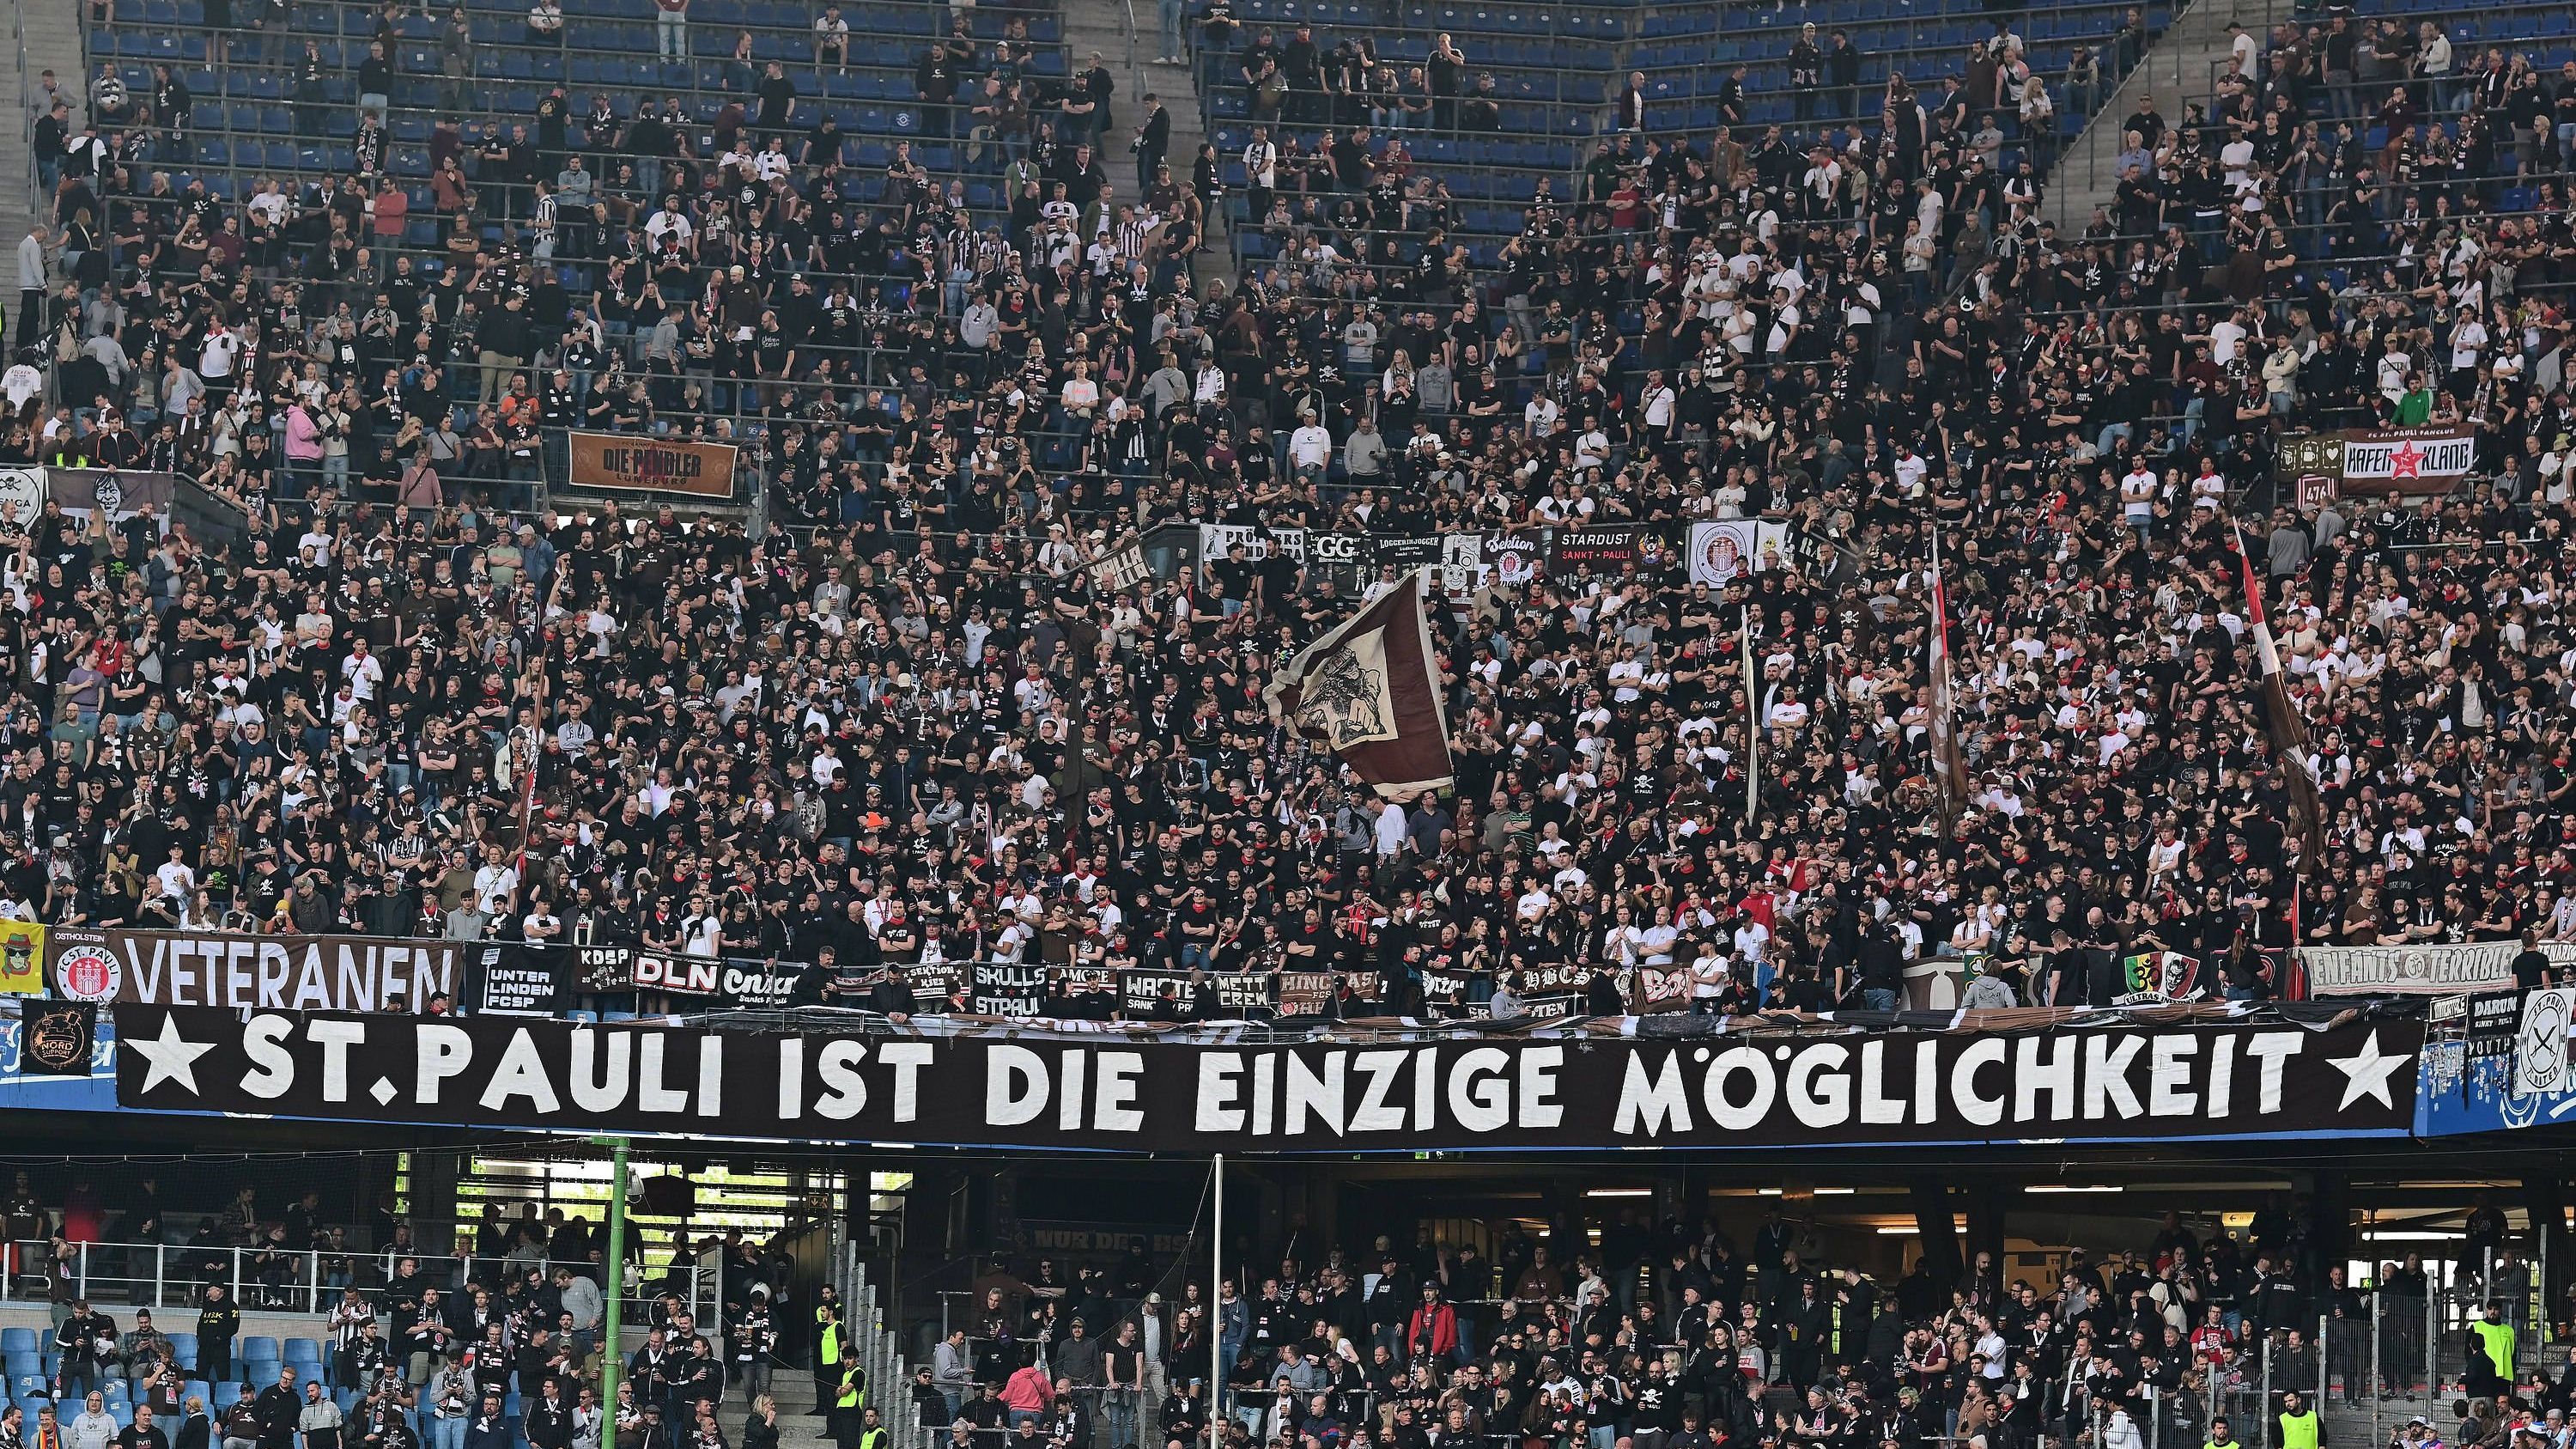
1028,1394
1433,1330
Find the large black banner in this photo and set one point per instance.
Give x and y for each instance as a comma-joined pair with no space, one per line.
1511,1094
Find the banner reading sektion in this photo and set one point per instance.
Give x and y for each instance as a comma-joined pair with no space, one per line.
1520,1094
620,463
250,973
2425,970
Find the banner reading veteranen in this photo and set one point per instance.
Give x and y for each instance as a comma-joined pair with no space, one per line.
251,973
1520,1094
619,463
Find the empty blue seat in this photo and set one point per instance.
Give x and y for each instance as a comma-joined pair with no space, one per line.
302,1351
258,1348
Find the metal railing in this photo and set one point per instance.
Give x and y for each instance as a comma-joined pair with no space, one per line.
166,1277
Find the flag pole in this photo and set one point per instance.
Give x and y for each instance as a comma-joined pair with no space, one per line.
1216,1308
1752,719
613,1360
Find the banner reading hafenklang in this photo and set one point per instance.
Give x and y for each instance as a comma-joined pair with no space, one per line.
2174,1080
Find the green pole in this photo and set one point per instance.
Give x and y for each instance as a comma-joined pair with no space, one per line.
614,1358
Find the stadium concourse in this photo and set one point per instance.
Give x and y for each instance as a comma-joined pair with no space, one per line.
440,1296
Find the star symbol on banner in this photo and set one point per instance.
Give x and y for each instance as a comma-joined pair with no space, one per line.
2406,462
171,1058
2366,1073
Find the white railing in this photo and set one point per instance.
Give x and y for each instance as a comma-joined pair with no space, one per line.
166,1277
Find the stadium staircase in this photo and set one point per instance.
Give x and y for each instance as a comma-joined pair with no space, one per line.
1126,36
43,35
2176,71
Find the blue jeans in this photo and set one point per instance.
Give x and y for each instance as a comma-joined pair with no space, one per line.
447,1433
1122,1418
1879,998
1170,13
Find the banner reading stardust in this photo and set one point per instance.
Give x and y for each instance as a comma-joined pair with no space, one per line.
2356,1077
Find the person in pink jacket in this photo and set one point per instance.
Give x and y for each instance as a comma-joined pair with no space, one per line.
303,445
1028,1393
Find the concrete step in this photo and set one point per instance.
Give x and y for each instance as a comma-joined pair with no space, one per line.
52,31
1104,26
2177,71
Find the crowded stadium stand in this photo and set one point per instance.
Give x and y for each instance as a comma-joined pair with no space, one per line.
1294,724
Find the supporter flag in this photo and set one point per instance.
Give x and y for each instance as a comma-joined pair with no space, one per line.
57,1038
1949,768
2170,975
1370,692
22,958
2287,731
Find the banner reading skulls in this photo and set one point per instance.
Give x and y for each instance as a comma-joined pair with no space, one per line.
1524,1094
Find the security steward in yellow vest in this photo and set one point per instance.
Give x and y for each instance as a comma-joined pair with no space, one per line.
2491,1354
829,1344
2219,1437
2300,1426
849,1405
873,1435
